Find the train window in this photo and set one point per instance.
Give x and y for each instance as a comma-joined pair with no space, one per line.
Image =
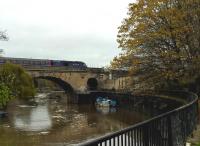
65,63
75,64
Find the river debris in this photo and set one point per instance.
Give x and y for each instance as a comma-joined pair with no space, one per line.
26,106
44,133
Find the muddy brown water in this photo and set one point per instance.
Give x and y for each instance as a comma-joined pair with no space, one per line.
51,122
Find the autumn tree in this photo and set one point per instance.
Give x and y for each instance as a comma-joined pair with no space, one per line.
160,41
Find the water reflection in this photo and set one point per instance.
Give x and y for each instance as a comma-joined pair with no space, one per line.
36,119
106,110
53,122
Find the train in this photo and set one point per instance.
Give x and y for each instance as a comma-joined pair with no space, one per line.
28,63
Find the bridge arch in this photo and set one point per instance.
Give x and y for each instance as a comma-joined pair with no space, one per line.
63,84
92,84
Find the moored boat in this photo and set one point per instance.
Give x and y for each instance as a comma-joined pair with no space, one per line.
105,102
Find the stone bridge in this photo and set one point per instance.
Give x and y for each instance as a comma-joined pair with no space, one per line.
84,80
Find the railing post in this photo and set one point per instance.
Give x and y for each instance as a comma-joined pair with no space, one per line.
169,129
169,123
197,114
146,135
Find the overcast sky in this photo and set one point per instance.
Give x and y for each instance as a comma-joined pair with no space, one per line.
82,30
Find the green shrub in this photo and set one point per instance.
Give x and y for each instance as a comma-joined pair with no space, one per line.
5,95
17,80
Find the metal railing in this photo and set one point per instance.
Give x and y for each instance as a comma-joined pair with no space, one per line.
169,129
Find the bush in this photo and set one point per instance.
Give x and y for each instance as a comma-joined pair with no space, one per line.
17,80
5,95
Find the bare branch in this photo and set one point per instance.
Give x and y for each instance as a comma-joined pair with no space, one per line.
3,35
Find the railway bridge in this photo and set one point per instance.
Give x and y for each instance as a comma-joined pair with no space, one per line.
82,81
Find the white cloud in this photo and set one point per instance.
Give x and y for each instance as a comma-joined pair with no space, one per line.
62,29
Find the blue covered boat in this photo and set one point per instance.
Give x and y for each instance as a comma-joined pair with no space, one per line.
105,102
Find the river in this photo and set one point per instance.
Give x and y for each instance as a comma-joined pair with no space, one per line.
51,122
